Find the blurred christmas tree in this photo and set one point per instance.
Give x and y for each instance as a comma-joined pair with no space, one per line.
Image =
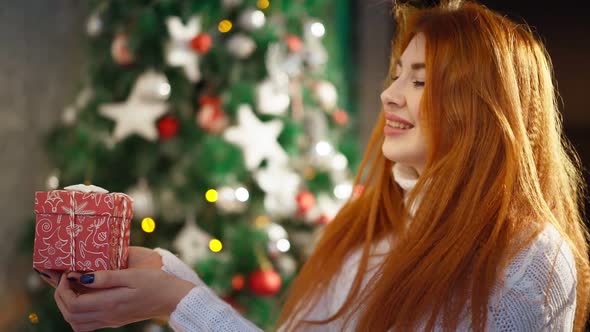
222,119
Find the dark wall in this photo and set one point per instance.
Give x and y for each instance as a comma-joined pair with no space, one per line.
41,61
565,29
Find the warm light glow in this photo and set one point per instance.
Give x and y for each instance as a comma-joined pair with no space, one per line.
261,221
242,194
283,245
148,225
164,89
211,195
263,4
215,245
34,318
323,148
317,29
339,162
343,190
258,19
276,232
225,26
52,182
309,173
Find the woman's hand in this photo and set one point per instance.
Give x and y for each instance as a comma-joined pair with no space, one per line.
119,297
50,276
116,298
138,257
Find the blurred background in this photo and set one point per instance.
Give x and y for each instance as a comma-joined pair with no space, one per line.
43,65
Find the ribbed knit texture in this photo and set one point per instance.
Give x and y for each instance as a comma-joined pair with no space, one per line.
519,304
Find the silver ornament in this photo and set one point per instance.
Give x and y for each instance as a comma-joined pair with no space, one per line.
151,85
143,200
94,25
52,182
192,243
34,282
241,46
69,115
275,232
170,208
252,19
315,53
229,4
326,94
286,264
279,201
315,125
271,98
229,202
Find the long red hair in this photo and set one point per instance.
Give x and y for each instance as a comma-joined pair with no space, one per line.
498,169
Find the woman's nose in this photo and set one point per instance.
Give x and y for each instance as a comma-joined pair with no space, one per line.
392,96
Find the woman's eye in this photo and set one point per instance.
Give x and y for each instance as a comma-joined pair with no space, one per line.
418,84
393,78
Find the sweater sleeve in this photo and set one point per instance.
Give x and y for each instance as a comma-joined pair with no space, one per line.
200,309
173,265
540,289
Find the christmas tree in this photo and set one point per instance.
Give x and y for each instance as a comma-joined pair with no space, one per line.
226,123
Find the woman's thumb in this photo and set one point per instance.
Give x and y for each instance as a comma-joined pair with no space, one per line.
102,279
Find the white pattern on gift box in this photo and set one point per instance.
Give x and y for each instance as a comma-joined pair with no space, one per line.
81,231
53,199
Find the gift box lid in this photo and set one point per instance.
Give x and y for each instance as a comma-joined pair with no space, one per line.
83,203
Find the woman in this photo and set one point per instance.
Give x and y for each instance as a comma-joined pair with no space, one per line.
470,219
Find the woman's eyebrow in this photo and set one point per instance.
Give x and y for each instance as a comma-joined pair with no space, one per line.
414,66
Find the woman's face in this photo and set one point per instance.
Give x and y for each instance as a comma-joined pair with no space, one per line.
404,142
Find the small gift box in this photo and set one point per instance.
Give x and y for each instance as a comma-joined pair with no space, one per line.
82,228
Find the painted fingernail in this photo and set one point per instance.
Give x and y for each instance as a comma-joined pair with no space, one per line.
87,278
42,273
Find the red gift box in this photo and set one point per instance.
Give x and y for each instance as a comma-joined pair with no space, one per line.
82,231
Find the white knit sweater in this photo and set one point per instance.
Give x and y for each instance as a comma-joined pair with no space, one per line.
516,306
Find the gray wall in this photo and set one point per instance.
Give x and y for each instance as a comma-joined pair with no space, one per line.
41,60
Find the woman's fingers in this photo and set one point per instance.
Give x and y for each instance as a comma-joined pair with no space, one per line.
104,279
49,277
89,311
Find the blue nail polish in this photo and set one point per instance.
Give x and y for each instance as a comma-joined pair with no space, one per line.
87,278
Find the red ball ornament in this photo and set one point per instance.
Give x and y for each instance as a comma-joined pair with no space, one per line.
210,100
264,282
340,117
238,282
211,117
323,219
305,201
202,43
168,127
357,190
120,50
294,43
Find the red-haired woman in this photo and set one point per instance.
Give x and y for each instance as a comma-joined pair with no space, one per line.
470,219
